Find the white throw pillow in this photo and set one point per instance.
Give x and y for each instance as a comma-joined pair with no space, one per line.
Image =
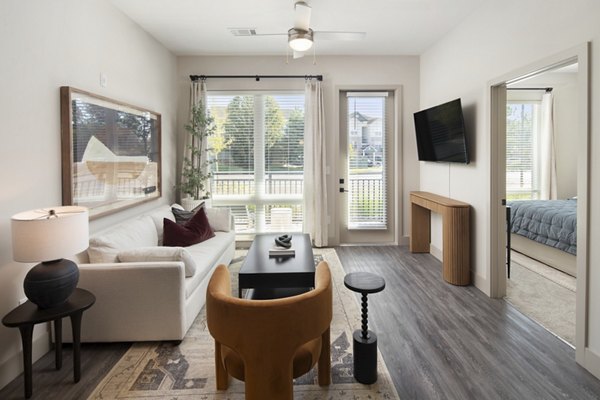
149,254
219,218
140,232
157,216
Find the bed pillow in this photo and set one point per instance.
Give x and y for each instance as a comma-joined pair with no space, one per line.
194,231
149,254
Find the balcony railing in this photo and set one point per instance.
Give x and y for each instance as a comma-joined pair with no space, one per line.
240,184
367,206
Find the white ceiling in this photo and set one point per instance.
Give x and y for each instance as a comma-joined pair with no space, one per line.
393,27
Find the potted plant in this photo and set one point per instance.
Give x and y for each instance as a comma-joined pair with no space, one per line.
196,165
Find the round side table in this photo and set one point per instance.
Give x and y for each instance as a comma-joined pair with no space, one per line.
365,341
28,314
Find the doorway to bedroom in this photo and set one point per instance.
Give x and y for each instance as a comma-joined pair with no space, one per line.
539,142
541,198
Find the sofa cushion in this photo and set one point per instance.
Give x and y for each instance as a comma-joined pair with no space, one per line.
159,253
140,232
158,216
206,254
219,218
194,231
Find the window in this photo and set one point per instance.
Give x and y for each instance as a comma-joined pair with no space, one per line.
522,150
367,201
258,154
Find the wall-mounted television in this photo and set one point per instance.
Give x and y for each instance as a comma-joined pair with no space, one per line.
441,133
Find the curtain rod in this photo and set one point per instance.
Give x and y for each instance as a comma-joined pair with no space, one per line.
547,89
256,77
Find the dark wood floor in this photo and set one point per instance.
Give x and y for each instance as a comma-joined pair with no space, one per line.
439,342
48,383
447,342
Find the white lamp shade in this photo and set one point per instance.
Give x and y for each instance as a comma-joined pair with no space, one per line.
39,236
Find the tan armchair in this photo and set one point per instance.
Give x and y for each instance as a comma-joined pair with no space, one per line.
267,343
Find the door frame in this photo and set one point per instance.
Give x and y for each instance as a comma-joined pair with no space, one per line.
396,148
497,216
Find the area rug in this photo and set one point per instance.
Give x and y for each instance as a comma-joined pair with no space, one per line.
163,370
549,302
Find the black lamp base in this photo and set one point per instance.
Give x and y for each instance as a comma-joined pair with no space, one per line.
49,284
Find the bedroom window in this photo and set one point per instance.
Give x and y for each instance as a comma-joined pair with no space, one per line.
523,150
258,153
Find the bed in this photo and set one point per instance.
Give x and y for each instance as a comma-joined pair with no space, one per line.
546,230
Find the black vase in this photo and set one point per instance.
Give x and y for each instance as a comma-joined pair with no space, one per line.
49,284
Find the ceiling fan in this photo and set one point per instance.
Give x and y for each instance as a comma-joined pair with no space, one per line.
301,36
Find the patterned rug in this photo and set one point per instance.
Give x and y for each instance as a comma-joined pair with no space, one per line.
163,370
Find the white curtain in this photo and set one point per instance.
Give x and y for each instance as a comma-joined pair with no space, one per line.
315,179
547,156
197,96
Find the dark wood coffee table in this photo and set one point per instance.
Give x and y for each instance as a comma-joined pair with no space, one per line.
268,275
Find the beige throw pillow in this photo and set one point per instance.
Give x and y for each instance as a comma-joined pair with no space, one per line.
219,218
105,246
149,254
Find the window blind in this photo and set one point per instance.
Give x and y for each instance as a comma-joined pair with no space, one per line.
366,163
258,153
522,150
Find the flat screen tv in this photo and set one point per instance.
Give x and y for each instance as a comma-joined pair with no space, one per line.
441,133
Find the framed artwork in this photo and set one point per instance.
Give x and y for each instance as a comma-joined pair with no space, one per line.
111,155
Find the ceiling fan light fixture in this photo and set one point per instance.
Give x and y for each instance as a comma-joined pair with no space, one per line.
299,39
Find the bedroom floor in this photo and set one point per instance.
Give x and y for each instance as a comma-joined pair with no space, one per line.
544,294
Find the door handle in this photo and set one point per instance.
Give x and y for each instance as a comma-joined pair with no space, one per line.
342,190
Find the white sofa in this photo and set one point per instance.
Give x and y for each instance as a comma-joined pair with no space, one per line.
144,301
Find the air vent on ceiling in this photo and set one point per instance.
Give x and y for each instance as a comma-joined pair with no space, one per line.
243,31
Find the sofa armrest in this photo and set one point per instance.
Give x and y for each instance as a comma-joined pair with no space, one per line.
126,294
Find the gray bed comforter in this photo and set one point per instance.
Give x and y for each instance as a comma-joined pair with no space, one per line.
550,222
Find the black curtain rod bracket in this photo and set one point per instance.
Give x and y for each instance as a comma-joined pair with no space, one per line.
255,77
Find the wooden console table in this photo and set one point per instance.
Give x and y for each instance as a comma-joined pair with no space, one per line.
456,237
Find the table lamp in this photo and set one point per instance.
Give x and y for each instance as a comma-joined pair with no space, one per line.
48,235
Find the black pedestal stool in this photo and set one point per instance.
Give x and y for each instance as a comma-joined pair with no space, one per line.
365,341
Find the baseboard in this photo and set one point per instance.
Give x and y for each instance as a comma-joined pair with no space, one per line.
13,366
404,241
592,362
437,253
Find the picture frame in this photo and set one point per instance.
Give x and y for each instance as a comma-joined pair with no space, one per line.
111,152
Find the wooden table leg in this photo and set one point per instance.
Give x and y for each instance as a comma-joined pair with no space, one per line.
58,342
420,229
26,337
76,325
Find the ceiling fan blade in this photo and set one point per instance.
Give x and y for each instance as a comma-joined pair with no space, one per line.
269,34
298,54
302,15
324,35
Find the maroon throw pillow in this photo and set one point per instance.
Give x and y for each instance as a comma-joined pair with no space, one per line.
194,231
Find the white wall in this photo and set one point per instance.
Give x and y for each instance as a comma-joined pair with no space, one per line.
45,45
337,71
498,38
